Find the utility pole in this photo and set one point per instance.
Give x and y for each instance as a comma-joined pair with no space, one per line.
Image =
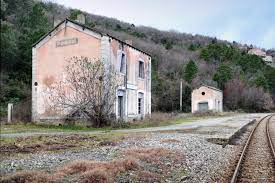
180,96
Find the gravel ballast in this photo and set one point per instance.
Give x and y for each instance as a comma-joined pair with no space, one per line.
204,160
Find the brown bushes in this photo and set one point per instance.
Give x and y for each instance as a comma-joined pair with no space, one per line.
170,140
149,155
137,160
146,176
112,168
106,172
94,176
30,177
249,98
86,171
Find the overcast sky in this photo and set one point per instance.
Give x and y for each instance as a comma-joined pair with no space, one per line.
245,21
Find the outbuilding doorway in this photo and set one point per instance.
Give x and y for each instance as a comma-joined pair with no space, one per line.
203,106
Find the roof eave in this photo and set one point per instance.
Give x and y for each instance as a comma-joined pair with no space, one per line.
86,27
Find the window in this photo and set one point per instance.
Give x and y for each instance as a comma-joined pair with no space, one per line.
122,67
120,96
120,106
141,69
140,103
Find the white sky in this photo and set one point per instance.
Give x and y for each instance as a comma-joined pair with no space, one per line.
245,21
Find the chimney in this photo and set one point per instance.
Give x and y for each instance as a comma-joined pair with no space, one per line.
81,18
130,42
56,21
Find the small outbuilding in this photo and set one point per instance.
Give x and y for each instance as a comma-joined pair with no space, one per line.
207,98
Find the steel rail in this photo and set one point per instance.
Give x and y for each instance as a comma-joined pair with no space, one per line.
238,167
271,145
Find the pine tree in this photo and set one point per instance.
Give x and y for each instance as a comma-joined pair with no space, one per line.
260,81
190,71
32,28
223,74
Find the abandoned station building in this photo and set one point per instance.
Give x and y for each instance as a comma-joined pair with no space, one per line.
207,98
69,39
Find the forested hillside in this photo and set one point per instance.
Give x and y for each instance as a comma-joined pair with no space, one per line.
248,84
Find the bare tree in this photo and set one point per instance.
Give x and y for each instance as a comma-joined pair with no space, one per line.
88,89
237,94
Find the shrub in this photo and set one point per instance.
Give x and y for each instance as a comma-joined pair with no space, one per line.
29,176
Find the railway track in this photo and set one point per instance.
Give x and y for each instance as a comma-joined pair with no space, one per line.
257,160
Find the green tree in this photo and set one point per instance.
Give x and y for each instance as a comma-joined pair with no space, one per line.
223,74
205,55
270,76
186,99
260,81
33,27
3,9
74,13
8,46
190,71
250,63
192,47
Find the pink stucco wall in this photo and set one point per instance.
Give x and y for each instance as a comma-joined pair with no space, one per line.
133,56
213,97
51,60
142,85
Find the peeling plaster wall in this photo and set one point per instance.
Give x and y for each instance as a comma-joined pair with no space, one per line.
49,62
211,96
131,84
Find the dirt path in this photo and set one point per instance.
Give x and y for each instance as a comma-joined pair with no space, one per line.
235,121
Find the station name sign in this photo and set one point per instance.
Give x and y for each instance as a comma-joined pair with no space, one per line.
66,42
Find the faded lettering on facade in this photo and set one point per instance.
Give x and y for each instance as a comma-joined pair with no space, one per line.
66,42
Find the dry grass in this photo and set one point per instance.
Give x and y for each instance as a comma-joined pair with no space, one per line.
106,172
93,171
95,176
30,177
146,176
160,116
139,161
156,163
32,144
113,167
150,155
170,140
